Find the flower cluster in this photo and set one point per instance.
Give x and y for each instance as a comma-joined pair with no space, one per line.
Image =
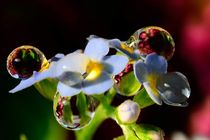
139,65
90,72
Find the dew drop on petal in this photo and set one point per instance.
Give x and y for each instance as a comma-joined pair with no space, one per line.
76,112
174,88
152,39
24,60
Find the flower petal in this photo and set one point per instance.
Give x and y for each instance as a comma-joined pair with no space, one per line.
97,48
141,71
115,64
168,102
153,93
36,77
174,88
70,78
97,86
119,46
56,57
65,90
157,63
74,62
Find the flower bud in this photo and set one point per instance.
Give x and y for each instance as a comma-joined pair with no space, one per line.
156,135
128,112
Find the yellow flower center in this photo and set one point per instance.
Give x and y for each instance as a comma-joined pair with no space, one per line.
152,78
93,70
45,65
125,47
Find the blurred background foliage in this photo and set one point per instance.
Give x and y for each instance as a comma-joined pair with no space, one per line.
62,26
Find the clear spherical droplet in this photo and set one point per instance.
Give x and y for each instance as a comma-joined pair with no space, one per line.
174,88
126,83
152,39
74,112
23,60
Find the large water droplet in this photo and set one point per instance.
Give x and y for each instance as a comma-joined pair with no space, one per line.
174,88
24,60
152,39
74,112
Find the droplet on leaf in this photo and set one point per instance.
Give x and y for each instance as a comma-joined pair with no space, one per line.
152,39
24,60
174,88
74,112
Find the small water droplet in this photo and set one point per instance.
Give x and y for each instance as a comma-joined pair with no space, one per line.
23,60
152,39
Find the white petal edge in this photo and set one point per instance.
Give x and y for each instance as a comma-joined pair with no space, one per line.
141,71
65,90
154,96
157,63
117,44
116,63
98,85
74,62
36,77
97,48
57,57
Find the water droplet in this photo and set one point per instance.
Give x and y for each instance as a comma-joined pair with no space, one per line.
152,39
177,90
122,85
24,60
74,112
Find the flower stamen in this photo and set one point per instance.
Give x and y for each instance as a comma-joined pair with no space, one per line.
93,70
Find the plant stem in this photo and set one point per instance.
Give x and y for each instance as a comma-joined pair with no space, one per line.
103,112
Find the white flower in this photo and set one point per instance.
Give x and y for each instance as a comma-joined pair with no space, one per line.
90,72
171,88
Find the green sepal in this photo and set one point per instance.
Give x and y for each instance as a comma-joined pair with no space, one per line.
143,99
141,132
47,88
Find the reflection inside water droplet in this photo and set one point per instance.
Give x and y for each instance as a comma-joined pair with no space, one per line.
74,112
24,60
152,39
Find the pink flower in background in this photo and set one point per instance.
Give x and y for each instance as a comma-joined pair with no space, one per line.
196,48
200,119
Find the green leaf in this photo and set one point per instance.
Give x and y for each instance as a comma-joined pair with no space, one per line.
128,85
47,87
143,99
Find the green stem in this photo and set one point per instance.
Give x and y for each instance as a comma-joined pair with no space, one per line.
143,99
129,133
103,112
